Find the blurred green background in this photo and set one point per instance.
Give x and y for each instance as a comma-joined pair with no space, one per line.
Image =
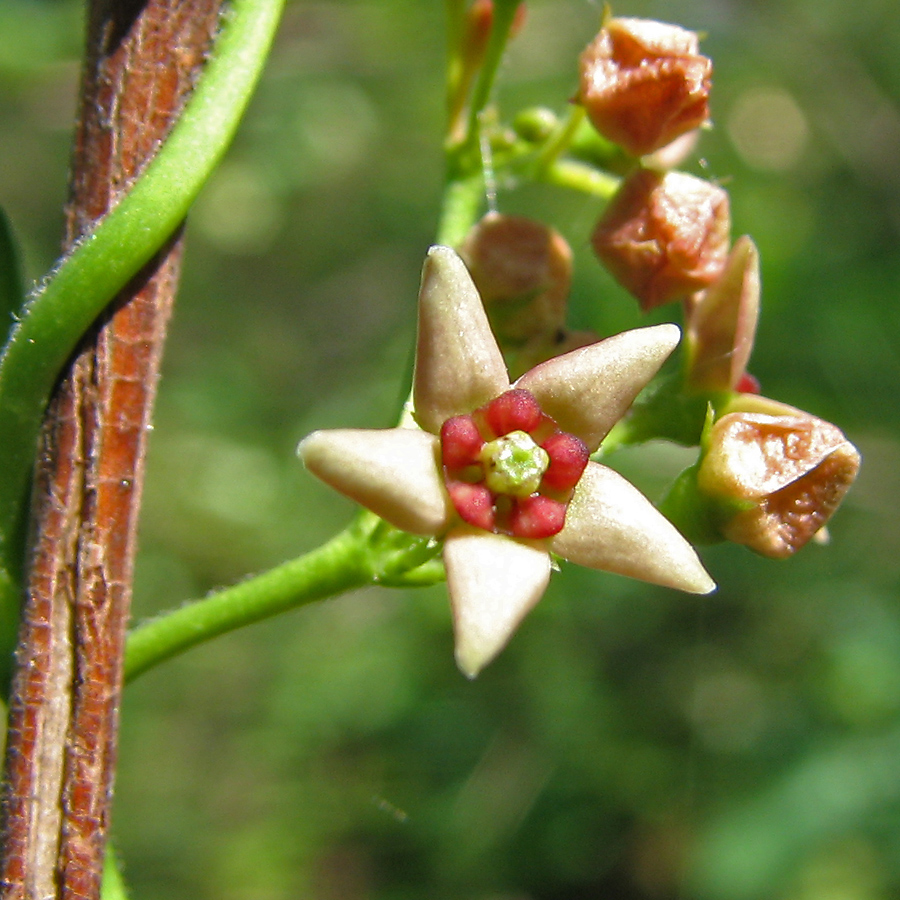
631,742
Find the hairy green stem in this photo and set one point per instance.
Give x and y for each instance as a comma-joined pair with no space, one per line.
80,286
335,567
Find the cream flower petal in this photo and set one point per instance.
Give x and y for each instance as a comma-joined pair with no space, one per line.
588,390
394,472
459,366
611,525
493,582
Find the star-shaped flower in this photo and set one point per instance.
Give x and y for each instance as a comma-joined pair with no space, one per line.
501,472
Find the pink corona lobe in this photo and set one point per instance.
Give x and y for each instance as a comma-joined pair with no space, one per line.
474,503
471,446
537,517
461,442
514,410
568,458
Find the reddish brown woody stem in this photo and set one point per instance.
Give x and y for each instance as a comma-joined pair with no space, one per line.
142,59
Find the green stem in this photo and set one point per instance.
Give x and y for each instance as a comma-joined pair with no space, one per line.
580,177
560,139
460,208
504,13
464,188
100,265
455,27
335,567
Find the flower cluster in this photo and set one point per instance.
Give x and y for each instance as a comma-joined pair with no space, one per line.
770,476
500,472
497,467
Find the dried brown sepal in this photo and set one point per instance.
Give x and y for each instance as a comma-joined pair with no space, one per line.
644,83
664,235
794,469
523,271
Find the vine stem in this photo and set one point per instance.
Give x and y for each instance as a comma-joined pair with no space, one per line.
142,62
72,296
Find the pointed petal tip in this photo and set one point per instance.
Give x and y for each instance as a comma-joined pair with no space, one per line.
668,334
309,446
469,664
441,253
698,581
686,571
445,263
493,582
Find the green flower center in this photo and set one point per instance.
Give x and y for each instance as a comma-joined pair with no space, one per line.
514,464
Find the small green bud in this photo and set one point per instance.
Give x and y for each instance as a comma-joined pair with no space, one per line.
535,124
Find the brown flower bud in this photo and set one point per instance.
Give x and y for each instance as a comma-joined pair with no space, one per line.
790,471
720,323
664,236
644,83
523,271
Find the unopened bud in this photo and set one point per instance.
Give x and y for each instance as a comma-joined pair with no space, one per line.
535,124
644,83
789,472
545,346
523,271
664,236
720,323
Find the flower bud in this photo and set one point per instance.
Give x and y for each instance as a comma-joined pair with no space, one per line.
644,83
783,476
664,236
535,124
720,323
545,346
523,271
